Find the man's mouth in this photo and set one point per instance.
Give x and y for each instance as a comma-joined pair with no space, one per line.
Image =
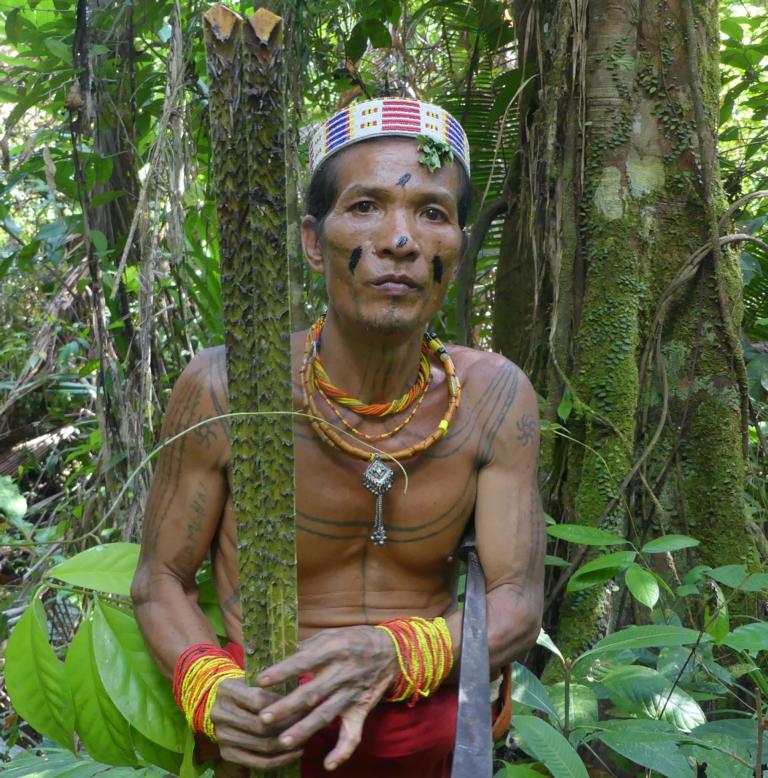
395,284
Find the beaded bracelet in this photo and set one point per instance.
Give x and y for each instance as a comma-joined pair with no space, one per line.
196,677
424,654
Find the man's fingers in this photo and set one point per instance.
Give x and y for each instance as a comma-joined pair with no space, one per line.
349,738
306,696
317,719
301,663
257,761
250,698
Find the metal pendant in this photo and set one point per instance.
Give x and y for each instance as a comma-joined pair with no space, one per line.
378,479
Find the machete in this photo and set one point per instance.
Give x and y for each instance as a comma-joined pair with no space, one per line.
472,752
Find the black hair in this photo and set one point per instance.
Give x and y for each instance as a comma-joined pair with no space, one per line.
322,190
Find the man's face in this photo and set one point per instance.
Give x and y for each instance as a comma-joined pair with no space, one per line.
391,242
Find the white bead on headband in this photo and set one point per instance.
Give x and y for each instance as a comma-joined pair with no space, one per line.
388,116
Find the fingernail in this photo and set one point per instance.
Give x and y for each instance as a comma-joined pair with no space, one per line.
332,766
286,740
265,680
267,718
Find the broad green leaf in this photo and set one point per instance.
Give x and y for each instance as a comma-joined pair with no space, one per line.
155,754
546,744
669,543
12,503
36,680
555,561
729,575
645,636
378,34
109,568
750,637
646,691
584,535
642,585
106,735
132,680
583,704
517,771
662,756
49,764
737,735
59,49
528,690
671,662
598,570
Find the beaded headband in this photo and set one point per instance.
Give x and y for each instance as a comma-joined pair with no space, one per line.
388,116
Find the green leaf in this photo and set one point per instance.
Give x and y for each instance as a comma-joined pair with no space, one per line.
645,636
59,49
132,679
546,744
583,704
644,690
669,543
378,34
155,754
598,570
109,568
729,575
750,637
584,535
36,680
648,750
528,690
566,404
12,503
642,585
357,42
517,771
99,240
555,561
105,733
732,29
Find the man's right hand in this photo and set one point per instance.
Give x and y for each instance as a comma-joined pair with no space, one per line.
242,737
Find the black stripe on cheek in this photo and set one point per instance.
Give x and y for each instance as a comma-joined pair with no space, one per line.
437,269
354,258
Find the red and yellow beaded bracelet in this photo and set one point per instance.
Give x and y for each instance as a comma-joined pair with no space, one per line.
199,671
424,653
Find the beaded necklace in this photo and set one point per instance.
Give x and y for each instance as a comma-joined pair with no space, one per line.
377,477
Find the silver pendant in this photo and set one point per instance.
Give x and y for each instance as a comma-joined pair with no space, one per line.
378,479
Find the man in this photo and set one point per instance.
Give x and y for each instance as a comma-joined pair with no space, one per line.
385,227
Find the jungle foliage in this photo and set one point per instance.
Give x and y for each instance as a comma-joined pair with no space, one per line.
109,270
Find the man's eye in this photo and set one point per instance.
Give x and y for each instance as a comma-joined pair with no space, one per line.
364,206
434,214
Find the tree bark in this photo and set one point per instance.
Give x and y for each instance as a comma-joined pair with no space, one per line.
246,88
618,190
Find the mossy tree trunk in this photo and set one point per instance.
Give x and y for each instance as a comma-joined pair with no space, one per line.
619,190
246,87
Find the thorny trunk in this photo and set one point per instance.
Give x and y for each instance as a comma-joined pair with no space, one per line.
247,130
613,203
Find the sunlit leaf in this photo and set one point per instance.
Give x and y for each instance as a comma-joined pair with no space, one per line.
584,535
669,543
36,680
132,680
642,585
109,568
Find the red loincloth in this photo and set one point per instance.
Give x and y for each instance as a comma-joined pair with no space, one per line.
397,742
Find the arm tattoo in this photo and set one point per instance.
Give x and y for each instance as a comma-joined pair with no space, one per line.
527,429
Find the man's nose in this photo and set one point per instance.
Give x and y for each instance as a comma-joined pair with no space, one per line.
395,238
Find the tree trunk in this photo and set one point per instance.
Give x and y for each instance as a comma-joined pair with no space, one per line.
619,191
246,88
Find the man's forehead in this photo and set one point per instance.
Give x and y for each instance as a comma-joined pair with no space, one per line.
438,134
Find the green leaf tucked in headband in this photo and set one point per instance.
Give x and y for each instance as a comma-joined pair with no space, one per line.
434,153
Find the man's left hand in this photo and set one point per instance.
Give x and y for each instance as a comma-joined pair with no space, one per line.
351,669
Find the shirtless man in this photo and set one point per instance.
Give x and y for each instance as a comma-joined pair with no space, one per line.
387,234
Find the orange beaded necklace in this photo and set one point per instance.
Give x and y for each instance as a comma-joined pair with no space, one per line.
378,477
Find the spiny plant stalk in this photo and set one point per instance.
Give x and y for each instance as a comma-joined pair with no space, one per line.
246,98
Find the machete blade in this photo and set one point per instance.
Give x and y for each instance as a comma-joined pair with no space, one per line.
472,754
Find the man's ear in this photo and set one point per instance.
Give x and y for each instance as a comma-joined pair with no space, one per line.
312,244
